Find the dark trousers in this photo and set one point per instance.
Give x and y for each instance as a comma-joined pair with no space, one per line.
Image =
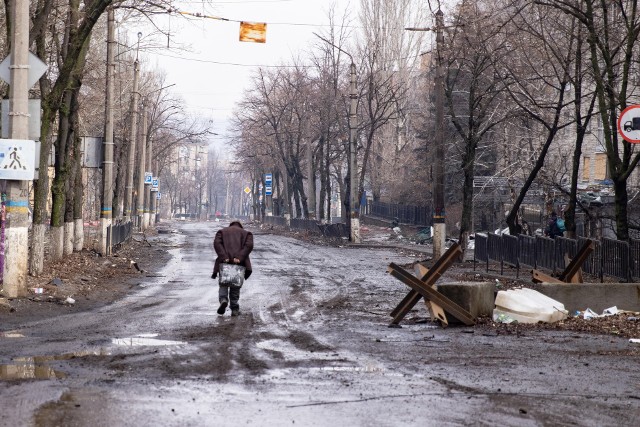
231,294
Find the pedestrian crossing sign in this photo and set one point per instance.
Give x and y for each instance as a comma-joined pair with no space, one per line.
17,159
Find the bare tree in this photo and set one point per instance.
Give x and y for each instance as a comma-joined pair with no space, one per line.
612,31
476,95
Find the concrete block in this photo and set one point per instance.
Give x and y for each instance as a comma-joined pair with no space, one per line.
596,296
475,297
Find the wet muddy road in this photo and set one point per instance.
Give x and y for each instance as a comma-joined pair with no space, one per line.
311,347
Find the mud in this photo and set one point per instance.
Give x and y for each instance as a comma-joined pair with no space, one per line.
312,347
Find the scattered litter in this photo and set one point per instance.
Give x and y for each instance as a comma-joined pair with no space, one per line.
37,290
56,281
135,264
635,340
397,230
70,300
503,318
528,306
590,314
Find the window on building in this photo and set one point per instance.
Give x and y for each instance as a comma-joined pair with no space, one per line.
600,166
586,168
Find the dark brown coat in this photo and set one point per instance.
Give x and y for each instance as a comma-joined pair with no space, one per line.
233,242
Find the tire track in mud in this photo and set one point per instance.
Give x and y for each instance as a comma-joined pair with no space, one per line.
299,291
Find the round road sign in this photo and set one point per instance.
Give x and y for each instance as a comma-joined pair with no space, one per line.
629,124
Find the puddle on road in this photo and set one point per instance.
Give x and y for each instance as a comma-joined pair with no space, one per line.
36,368
64,356
144,340
29,372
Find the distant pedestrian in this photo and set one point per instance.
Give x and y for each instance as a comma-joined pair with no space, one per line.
552,229
232,244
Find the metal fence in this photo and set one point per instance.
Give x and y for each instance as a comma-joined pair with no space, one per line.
635,258
616,262
117,234
279,221
302,224
405,214
337,230
613,258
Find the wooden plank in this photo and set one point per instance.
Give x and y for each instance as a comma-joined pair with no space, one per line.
421,271
435,311
442,264
405,306
574,268
430,294
412,298
429,278
540,277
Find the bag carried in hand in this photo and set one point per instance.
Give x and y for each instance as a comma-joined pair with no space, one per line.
231,275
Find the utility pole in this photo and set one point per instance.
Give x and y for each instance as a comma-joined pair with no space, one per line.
439,226
128,199
142,162
16,245
149,201
106,213
353,158
354,214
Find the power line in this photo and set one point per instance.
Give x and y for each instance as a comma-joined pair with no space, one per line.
235,64
240,2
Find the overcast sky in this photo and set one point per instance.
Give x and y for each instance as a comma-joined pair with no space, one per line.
212,76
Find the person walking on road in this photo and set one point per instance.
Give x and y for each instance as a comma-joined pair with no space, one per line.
232,244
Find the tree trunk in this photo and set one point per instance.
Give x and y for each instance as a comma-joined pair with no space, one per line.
58,188
323,180
52,101
78,229
468,167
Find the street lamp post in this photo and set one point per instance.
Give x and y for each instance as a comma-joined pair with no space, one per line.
106,212
354,213
146,161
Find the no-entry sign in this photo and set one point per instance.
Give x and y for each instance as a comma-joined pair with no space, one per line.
629,124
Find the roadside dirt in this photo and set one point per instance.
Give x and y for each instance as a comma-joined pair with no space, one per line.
625,324
94,281
85,280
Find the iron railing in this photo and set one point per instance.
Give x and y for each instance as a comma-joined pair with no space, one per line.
301,224
117,234
404,214
279,221
613,258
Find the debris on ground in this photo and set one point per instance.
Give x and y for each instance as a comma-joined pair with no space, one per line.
527,306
